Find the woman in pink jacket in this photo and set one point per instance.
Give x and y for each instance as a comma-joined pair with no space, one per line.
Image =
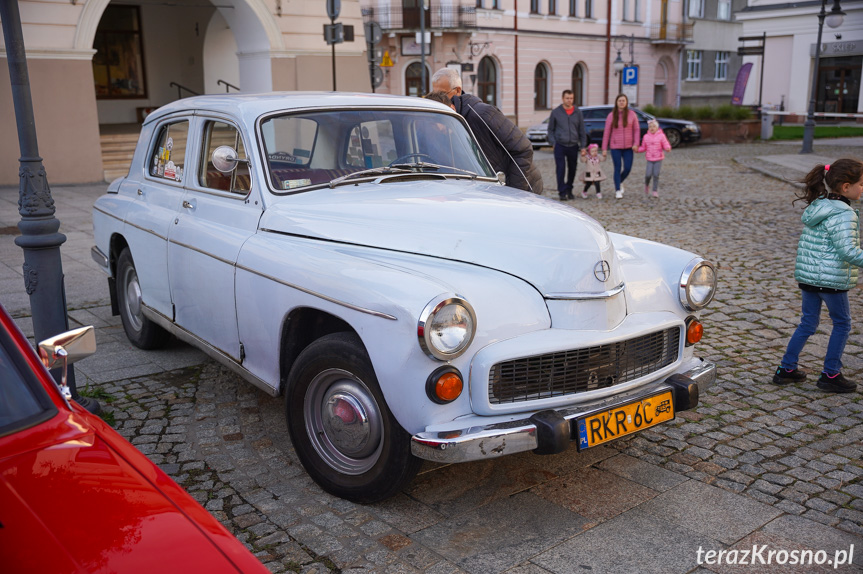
621,136
654,145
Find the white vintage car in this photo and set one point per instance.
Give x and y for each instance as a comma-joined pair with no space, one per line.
357,254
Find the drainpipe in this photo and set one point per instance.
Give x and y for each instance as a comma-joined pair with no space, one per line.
515,27
607,52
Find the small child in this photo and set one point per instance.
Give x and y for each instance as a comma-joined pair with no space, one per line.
653,143
592,173
828,255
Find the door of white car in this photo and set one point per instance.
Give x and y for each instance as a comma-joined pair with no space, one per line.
158,196
219,212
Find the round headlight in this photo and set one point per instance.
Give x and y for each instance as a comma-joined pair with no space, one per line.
446,327
697,284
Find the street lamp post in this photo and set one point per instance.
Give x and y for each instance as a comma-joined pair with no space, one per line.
834,20
40,238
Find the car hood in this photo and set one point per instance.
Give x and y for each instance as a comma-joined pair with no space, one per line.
75,505
538,128
550,245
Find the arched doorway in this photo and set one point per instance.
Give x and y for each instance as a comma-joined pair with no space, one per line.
486,88
413,80
578,84
540,87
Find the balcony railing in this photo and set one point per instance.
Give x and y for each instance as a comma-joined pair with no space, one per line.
437,17
677,33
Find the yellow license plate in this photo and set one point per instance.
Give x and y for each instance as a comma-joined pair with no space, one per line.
623,420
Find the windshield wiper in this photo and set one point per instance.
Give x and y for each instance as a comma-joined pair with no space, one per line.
421,165
373,171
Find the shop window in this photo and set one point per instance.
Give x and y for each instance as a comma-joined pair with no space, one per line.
118,65
540,87
486,81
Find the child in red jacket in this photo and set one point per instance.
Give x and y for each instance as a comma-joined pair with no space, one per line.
653,144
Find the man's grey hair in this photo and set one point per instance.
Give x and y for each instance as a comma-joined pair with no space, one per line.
450,74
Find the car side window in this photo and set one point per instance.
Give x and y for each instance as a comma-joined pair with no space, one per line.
217,134
371,144
168,157
595,114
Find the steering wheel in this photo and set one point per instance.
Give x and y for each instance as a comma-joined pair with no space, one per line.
407,156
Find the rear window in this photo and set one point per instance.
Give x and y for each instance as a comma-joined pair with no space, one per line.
168,157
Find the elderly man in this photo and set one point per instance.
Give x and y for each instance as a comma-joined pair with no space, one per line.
503,143
567,134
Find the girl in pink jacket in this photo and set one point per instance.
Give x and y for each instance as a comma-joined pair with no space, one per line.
654,144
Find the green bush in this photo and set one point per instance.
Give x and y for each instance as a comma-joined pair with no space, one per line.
704,113
725,112
742,113
685,113
664,112
649,109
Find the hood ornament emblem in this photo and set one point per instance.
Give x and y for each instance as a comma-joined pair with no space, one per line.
602,271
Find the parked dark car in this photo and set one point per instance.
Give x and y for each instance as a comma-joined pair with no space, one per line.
677,131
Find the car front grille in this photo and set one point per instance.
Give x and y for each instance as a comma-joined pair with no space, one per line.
580,370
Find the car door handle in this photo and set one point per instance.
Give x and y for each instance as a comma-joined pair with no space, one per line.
140,192
188,204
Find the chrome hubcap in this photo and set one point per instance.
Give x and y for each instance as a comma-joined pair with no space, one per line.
343,421
133,299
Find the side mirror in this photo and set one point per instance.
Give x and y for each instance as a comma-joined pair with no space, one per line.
501,177
64,349
225,159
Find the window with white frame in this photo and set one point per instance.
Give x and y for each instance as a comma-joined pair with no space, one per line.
625,15
720,68
637,10
534,6
693,64
552,7
573,8
696,8
723,10
588,8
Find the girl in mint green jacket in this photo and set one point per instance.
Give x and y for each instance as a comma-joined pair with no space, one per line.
828,255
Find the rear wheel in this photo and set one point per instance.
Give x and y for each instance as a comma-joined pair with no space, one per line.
673,136
339,423
142,332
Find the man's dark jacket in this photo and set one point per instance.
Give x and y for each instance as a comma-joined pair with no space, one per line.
492,130
565,129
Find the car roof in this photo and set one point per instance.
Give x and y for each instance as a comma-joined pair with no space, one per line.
254,105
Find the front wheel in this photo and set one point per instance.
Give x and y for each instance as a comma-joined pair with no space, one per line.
142,332
673,137
343,432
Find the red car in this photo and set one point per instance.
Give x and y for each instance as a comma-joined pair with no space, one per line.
77,497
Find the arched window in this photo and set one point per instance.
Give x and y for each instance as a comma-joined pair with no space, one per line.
540,87
578,84
413,80
487,81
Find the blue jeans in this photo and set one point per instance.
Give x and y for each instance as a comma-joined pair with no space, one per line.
565,156
840,314
620,176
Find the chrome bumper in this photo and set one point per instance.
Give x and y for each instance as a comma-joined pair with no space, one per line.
489,441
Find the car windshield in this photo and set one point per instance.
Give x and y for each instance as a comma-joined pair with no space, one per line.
308,149
22,400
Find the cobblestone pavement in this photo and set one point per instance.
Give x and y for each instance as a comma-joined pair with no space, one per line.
754,464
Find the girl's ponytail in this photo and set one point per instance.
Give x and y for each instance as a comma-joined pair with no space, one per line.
826,179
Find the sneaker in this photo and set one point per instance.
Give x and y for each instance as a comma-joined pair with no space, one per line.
621,188
618,194
583,195
785,376
835,383
655,194
646,189
563,197
598,195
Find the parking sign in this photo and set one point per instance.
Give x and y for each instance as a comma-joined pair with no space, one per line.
630,76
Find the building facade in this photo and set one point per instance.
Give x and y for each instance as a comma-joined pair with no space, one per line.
710,64
792,31
101,62
521,54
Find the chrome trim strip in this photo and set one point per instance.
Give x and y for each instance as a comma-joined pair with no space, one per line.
195,249
208,349
99,257
103,212
586,296
144,229
494,440
315,294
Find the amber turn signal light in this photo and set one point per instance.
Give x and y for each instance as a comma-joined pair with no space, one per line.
694,331
444,385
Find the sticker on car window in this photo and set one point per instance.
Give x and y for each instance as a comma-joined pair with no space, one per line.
295,183
283,156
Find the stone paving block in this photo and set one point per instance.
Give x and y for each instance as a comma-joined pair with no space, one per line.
648,475
524,525
711,511
636,542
